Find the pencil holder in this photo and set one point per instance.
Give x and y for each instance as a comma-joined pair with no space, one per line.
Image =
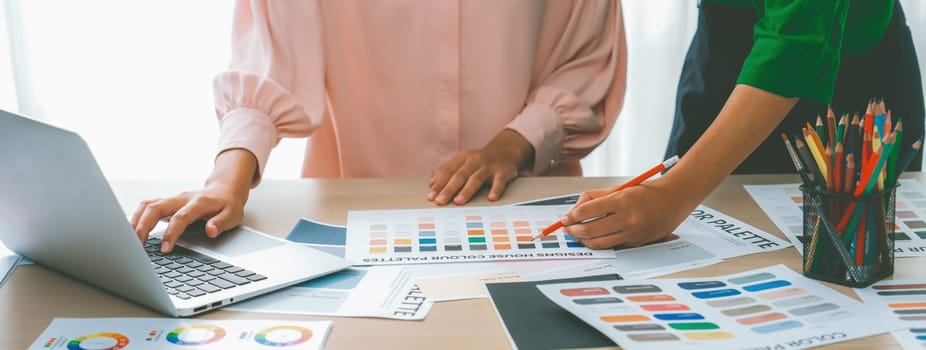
848,240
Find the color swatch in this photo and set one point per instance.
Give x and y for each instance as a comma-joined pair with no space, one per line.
901,303
783,204
769,308
460,234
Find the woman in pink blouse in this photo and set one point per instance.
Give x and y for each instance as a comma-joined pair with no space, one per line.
471,92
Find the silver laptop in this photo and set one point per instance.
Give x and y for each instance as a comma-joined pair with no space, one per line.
57,209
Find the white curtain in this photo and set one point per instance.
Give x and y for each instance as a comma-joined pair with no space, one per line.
7,89
135,78
658,34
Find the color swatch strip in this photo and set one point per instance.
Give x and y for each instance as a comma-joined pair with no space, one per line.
903,304
460,234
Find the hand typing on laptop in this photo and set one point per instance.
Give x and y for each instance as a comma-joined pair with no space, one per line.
220,203
91,240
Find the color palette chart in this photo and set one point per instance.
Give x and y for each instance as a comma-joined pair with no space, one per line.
167,333
442,235
903,304
782,204
769,308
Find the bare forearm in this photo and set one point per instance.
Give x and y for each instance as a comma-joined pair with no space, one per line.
649,212
513,147
234,168
747,118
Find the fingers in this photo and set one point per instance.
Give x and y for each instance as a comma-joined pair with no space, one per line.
442,174
601,234
608,241
152,212
221,211
587,210
623,239
635,216
458,179
136,216
473,184
599,223
192,211
456,183
597,228
617,228
223,221
590,195
499,182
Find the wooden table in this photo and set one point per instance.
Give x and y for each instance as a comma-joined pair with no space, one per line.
34,295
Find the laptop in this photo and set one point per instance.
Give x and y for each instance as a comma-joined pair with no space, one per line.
57,209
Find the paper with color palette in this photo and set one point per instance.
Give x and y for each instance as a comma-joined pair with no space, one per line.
174,333
782,204
769,308
901,303
442,235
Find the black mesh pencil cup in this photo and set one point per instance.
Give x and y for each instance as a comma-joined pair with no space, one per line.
848,240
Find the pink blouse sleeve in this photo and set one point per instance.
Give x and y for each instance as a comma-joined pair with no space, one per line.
580,86
274,86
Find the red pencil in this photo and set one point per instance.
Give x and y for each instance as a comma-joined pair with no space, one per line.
668,163
867,124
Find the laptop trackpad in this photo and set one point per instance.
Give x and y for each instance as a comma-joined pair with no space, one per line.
235,242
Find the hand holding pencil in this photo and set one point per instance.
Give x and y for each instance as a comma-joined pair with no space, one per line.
601,193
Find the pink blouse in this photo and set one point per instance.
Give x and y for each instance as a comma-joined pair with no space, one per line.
394,88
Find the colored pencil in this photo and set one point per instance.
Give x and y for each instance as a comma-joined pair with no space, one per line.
892,161
908,158
812,145
831,126
853,132
841,129
804,154
869,179
838,162
860,237
830,173
820,128
850,174
798,165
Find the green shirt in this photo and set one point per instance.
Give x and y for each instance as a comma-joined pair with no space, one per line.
798,43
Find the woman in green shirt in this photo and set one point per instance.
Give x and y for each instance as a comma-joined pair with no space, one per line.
755,69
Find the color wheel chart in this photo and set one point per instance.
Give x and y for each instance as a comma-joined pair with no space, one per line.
283,336
107,341
460,234
164,333
903,303
782,203
196,335
773,308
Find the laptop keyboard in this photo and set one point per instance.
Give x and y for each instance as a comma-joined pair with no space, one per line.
187,274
